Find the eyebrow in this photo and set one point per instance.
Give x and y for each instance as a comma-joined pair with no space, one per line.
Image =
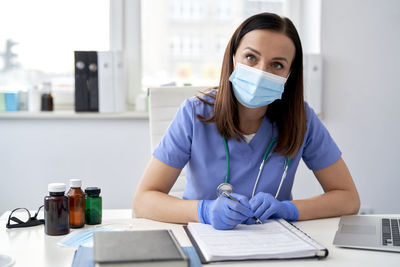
258,53
252,49
280,58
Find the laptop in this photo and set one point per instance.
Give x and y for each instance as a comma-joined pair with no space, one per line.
368,232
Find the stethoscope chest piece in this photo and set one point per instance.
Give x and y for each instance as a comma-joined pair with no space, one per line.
224,187
228,188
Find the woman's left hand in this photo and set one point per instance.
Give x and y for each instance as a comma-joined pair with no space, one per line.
265,206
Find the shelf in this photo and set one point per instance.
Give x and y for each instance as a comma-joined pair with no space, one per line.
70,114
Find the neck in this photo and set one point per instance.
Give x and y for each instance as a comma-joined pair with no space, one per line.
250,119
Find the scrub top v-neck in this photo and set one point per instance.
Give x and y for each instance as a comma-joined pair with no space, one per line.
198,146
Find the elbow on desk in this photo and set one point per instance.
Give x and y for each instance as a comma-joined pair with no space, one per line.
146,204
137,208
355,204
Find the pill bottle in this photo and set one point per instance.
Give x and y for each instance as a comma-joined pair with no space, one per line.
47,98
93,206
76,204
34,99
56,210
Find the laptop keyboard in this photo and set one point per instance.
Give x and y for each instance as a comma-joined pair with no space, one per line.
390,232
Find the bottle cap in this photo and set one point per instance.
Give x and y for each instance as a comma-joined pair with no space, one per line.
75,182
56,187
92,190
46,88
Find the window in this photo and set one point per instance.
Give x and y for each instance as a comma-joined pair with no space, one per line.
38,39
174,42
183,41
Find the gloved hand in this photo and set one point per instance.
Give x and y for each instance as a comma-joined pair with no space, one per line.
265,206
224,213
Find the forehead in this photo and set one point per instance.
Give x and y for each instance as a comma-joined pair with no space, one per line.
268,43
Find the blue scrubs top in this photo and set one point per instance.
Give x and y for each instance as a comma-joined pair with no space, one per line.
189,141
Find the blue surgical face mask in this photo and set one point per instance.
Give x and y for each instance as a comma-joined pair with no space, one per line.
255,88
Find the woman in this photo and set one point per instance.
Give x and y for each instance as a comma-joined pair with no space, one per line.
257,112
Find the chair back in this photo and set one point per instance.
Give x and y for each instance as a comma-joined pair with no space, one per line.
163,105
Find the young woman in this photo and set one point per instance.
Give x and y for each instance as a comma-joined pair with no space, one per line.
242,141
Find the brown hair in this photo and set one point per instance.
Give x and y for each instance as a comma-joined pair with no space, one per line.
288,112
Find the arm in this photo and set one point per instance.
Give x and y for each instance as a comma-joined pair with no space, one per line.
152,200
340,197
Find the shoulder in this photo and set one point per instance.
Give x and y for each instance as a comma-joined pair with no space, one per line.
317,135
313,123
311,116
201,104
319,148
308,109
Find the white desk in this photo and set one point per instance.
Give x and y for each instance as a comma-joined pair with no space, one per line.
32,247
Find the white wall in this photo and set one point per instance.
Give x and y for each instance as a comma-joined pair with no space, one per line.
110,154
360,41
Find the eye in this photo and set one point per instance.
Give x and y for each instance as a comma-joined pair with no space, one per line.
277,65
251,58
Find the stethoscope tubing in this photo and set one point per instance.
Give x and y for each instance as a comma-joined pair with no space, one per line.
266,155
283,178
227,161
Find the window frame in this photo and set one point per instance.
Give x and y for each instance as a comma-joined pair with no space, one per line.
125,36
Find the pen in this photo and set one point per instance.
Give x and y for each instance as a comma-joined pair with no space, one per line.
234,199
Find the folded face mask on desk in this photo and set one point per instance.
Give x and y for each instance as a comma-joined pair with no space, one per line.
255,88
82,238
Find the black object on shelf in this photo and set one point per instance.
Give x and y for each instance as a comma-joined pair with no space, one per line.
86,81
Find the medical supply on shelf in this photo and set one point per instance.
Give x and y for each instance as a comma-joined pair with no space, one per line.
11,99
22,100
34,99
2,102
141,103
47,98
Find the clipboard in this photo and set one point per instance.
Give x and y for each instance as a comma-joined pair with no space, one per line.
318,250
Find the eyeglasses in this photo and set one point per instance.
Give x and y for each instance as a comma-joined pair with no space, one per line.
24,218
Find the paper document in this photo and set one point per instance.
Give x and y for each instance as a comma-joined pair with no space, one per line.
273,239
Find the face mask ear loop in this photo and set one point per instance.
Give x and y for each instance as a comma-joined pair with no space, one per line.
234,62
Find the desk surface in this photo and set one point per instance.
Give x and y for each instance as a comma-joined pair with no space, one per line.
32,247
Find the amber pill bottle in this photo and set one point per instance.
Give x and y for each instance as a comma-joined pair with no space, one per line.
76,204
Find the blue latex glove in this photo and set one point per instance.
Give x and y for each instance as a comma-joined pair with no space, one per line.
265,206
224,213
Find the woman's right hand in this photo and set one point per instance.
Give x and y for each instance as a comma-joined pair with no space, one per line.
224,213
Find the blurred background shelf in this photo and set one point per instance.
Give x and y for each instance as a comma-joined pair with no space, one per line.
71,114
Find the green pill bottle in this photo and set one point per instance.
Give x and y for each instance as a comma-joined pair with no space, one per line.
93,208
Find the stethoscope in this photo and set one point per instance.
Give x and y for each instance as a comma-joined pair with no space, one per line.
226,187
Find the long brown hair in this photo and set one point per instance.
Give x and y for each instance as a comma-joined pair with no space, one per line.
288,112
